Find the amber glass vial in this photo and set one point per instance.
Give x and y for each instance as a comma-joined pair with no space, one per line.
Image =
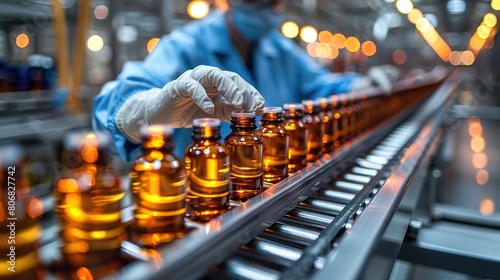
334,109
316,129
89,196
343,119
160,199
327,118
275,139
348,116
297,133
354,105
245,154
207,172
20,212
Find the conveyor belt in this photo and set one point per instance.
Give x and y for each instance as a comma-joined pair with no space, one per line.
294,229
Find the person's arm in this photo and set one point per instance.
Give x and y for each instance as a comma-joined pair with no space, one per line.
160,67
163,90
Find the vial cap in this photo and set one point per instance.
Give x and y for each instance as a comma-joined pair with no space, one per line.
242,114
206,122
156,130
294,106
273,110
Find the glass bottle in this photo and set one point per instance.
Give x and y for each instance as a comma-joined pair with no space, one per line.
207,172
316,129
335,110
88,204
245,153
276,141
327,119
160,199
343,119
297,133
19,215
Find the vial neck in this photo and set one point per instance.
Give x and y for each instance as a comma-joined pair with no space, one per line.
243,124
206,133
157,143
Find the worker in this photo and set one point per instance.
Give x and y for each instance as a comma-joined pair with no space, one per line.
229,60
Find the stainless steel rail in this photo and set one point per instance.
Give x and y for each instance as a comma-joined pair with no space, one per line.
351,257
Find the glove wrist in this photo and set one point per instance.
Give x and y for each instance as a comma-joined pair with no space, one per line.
132,114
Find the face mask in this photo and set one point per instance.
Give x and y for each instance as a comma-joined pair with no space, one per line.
254,22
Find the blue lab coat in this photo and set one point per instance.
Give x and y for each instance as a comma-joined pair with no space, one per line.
282,73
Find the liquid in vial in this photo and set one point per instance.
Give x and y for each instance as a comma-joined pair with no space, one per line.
334,109
88,196
207,172
276,141
316,130
340,116
160,199
327,119
245,153
297,133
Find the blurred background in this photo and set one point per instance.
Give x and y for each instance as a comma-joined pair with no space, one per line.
55,56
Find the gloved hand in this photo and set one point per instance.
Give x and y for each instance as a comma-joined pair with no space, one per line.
382,76
199,93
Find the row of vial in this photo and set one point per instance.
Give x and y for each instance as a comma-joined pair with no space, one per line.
165,189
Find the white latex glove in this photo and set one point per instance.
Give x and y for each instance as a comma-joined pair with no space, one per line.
382,76
199,93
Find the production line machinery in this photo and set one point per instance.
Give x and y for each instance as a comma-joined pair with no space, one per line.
343,217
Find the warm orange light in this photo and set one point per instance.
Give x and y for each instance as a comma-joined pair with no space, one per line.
82,247
34,207
311,49
475,130
477,144
482,177
67,185
83,273
487,207
339,40
490,20
308,34
423,25
369,48
399,56
290,29
325,36
479,160
483,32
495,5
89,153
327,50
22,41
414,15
352,44
198,9
335,52
152,44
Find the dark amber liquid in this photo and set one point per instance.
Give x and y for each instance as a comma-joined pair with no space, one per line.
315,138
275,160
297,150
92,231
207,171
160,207
328,136
246,168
